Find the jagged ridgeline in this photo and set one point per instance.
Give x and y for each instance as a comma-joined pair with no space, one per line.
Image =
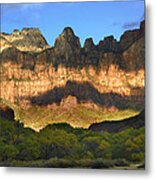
70,83
67,50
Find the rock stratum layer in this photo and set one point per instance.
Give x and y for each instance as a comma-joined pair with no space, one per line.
103,78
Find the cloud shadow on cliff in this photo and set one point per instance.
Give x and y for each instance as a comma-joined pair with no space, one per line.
85,92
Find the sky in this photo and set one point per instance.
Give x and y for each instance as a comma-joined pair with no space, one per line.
87,19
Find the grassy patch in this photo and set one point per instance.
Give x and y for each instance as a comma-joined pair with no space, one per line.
37,117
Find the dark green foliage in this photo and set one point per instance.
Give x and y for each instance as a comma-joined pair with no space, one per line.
56,143
8,152
60,145
29,149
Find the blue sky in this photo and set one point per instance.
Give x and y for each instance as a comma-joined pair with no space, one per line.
87,19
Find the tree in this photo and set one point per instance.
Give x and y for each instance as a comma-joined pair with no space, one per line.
92,144
7,131
57,143
105,149
7,152
135,146
29,149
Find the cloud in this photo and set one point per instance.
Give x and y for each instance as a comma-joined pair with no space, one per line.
130,25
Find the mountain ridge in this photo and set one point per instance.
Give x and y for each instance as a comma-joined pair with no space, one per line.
69,53
130,35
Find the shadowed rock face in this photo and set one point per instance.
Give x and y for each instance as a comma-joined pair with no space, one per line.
67,41
85,93
6,112
109,44
129,37
128,54
135,122
67,48
89,45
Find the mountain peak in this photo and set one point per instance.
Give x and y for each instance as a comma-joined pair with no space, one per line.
109,38
68,31
109,44
89,44
30,30
67,41
28,39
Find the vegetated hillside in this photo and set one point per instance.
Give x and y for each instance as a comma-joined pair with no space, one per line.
103,79
136,122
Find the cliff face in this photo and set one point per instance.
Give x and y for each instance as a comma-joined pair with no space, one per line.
106,77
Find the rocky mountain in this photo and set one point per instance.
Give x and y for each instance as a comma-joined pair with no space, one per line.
107,78
28,39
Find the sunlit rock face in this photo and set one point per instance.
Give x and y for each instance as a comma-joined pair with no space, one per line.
4,44
108,76
28,39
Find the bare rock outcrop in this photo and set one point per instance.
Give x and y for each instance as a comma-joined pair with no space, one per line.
69,102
